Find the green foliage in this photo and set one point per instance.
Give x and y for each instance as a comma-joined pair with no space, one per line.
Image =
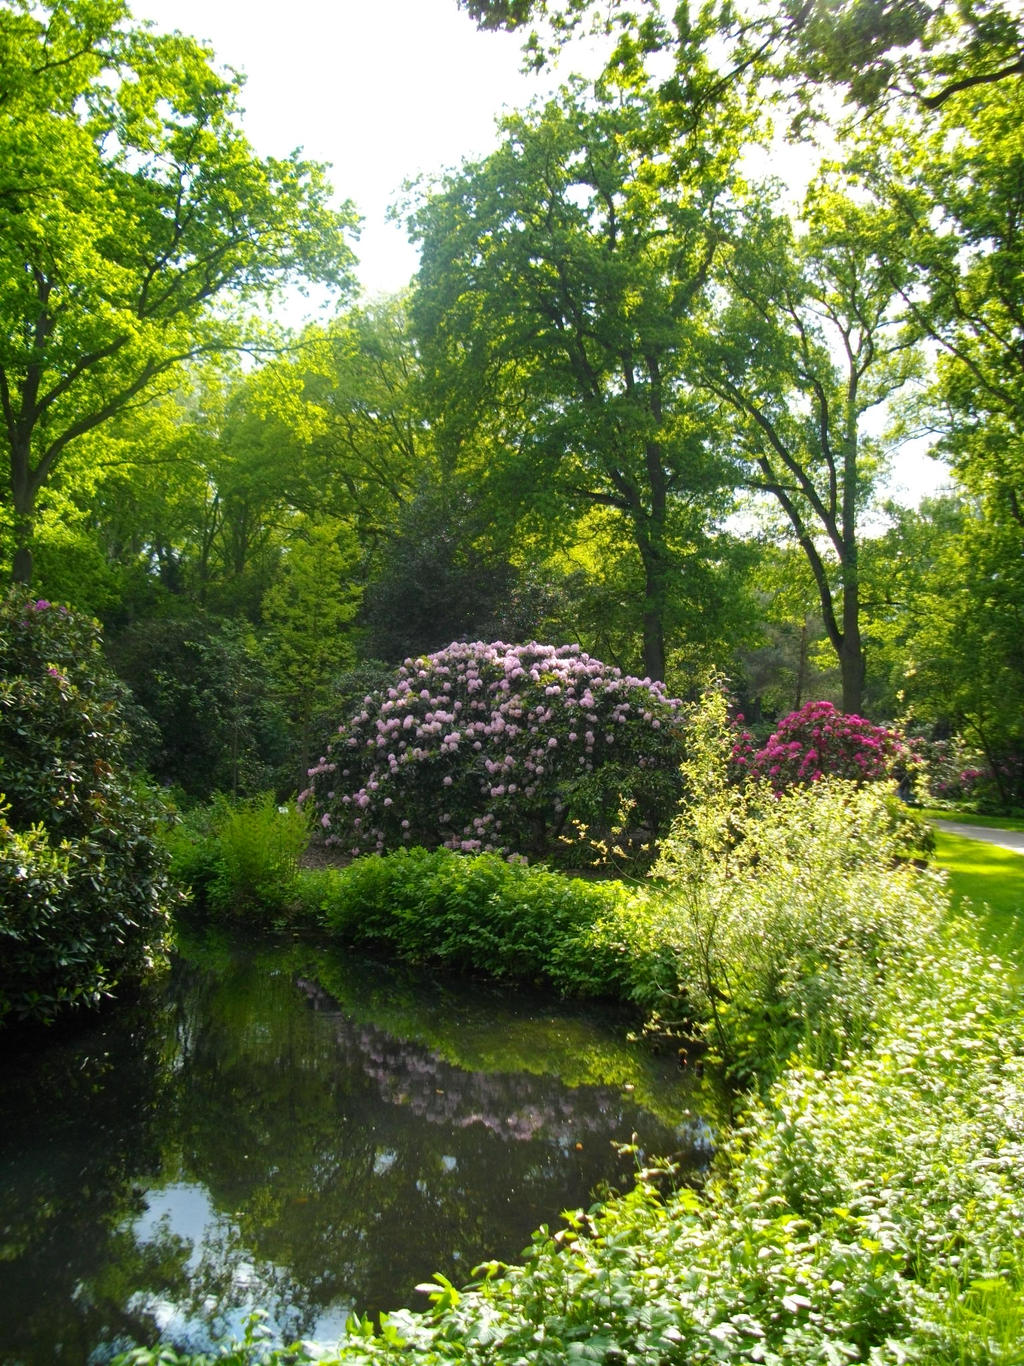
483,914
439,580
240,859
83,891
810,342
155,211
309,610
200,682
784,912
557,356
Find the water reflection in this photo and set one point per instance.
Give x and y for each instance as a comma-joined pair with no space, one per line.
302,1132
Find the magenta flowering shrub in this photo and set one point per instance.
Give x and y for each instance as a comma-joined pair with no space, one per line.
819,741
494,747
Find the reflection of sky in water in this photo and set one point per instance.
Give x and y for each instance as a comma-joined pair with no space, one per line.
183,1211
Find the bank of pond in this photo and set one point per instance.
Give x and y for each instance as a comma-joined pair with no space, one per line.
300,1130
307,1134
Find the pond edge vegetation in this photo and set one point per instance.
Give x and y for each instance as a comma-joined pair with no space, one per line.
865,1205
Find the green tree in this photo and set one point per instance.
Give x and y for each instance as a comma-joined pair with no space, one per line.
560,284
368,448
810,344
958,196
133,215
956,642
911,50
876,50
309,612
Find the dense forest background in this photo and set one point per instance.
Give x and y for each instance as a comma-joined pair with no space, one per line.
635,397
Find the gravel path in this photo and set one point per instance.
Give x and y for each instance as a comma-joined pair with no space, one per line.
1005,839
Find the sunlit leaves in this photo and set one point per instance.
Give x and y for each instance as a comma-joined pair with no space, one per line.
133,216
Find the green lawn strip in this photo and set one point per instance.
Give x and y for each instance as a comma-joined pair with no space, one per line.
990,878
972,818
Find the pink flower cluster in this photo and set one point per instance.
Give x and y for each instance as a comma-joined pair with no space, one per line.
819,741
485,746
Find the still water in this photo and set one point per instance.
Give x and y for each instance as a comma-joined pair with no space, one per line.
305,1132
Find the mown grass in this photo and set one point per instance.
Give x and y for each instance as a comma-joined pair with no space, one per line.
972,818
992,881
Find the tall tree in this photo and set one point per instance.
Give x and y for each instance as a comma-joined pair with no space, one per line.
955,628
812,342
309,609
957,191
560,284
922,51
133,213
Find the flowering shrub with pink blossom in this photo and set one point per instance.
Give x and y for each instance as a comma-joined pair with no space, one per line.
819,741
504,748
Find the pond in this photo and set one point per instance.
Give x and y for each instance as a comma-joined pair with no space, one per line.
308,1132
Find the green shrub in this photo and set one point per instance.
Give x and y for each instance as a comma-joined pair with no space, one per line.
212,722
83,886
783,912
480,913
240,859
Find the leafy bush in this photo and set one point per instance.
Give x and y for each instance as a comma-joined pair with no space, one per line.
213,723
240,859
83,887
818,742
952,773
483,914
784,911
500,748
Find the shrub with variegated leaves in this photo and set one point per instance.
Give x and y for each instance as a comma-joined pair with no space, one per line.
523,749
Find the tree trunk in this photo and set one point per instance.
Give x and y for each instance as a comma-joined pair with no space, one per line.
654,644
655,593
23,500
852,664
801,668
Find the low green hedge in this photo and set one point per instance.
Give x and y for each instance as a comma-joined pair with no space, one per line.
481,914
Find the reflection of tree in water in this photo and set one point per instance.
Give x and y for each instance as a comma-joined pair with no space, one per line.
512,1105
334,1165
78,1109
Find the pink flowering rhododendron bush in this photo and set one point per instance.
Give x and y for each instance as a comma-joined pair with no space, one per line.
820,742
523,749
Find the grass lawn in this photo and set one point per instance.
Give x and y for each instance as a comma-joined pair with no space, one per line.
991,878
971,818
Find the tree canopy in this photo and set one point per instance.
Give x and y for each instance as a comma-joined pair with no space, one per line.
135,222
563,281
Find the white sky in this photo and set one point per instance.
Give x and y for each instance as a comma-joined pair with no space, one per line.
381,89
